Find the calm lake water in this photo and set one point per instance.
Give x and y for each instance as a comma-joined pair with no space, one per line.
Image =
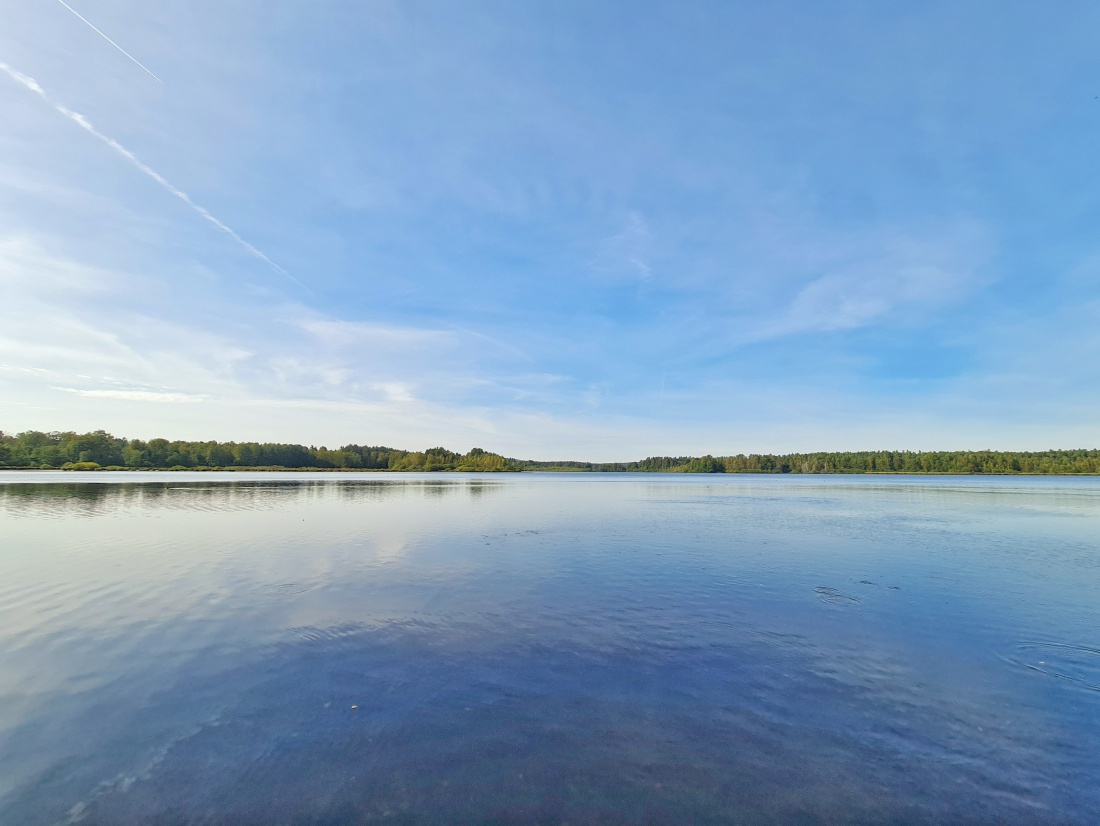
334,649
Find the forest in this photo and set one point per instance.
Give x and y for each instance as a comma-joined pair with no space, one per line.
100,450
863,461
91,451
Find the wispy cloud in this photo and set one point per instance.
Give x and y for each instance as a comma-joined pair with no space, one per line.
66,340
395,391
881,278
844,301
794,228
336,333
32,85
26,268
138,395
626,252
105,37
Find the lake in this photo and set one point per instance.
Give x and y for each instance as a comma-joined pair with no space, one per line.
322,648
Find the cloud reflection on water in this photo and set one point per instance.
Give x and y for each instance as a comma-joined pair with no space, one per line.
529,647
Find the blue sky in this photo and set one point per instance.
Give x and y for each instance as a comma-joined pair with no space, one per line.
554,230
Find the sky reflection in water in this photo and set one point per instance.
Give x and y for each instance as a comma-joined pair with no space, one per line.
305,648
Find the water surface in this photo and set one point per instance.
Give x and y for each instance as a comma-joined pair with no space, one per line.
334,649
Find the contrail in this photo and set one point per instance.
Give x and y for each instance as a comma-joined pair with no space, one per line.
105,37
31,84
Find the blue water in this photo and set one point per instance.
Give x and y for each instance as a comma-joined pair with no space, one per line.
535,648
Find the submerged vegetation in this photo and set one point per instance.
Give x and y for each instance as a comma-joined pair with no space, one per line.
96,450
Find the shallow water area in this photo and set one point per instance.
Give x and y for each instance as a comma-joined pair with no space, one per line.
328,648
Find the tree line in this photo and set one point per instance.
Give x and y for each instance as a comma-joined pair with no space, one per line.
99,449
862,461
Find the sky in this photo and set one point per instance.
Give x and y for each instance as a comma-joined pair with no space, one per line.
562,230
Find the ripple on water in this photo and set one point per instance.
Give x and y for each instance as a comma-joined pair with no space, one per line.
834,597
289,588
1078,664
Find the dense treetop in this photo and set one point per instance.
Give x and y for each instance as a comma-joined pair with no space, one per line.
862,461
34,449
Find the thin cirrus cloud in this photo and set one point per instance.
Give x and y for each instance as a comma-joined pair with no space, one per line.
337,333
32,85
885,277
154,396
283,355
627,252
850,300
733,231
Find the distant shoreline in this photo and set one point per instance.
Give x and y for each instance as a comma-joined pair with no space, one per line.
269,469
99,450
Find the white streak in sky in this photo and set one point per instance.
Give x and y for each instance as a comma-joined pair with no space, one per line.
105,37
31,84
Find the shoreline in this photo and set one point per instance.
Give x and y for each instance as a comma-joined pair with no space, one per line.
271,469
